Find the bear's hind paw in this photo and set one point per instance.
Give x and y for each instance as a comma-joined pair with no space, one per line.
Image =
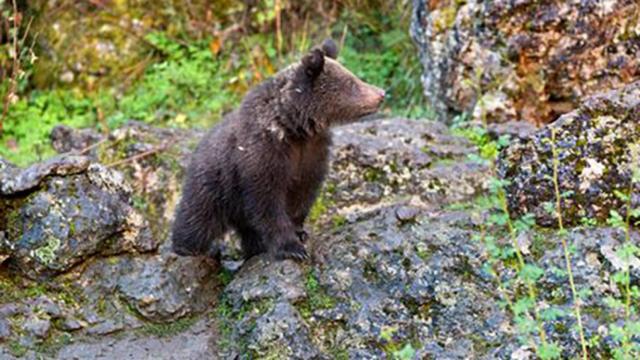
293,251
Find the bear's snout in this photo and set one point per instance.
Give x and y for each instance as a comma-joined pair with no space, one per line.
373,96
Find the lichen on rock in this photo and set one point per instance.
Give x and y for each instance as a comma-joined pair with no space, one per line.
594,148
63,211
540,58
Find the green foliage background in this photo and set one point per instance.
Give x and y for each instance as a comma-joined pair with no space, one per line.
187,66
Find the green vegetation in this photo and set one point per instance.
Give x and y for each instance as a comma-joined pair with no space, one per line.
532,316
227,316
317,298
170,328
393,348
189,77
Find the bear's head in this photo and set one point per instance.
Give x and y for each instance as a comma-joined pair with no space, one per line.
323,92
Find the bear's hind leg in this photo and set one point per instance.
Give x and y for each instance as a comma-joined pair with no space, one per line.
196,228
252,243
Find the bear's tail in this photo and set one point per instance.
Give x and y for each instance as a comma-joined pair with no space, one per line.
196,227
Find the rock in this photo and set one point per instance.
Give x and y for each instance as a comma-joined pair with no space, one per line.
513,129
593,269
46,305
37,327
152,160
66,139
523,60
159,288
14,180
5,329
282,332
64,210
597,145
381,159
71,324
378,281
164,288
396,273
196,342
105,327
260,279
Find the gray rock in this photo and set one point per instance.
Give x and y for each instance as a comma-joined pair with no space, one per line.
5,329
384,159
14,180
197,342
66,139
46,305
71,324
400,271
37,327
261,279
152,160
64,211
105,327
164,287
597,146
513,129
281,332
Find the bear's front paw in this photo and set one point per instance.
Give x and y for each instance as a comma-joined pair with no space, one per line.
303,236
292,250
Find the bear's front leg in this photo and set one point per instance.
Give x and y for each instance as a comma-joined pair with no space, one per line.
266,209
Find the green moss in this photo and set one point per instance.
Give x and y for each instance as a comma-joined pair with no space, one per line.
373,175
225,276
339,354
227,316
446,18
53,343
393,346
371,273
317,297
319,208
101,306
170,328
17,349
338,221
14,289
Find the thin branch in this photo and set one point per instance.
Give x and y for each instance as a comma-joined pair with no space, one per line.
142,155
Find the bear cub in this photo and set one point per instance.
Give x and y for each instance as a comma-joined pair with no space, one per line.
259,170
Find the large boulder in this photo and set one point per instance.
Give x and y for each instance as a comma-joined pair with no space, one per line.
380,286
525,60
597,149
58,213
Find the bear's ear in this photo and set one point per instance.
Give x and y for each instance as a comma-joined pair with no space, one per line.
313,63
330,48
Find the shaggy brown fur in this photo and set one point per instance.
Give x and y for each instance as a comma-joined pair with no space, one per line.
260,169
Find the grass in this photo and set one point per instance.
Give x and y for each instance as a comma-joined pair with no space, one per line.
562,232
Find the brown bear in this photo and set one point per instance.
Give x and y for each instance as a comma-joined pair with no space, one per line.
260,169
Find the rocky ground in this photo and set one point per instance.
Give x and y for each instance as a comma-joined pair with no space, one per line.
397,268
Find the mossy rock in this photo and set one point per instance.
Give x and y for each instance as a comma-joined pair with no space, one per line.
597,148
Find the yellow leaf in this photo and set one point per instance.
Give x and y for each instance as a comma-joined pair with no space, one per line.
180,119
215,45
